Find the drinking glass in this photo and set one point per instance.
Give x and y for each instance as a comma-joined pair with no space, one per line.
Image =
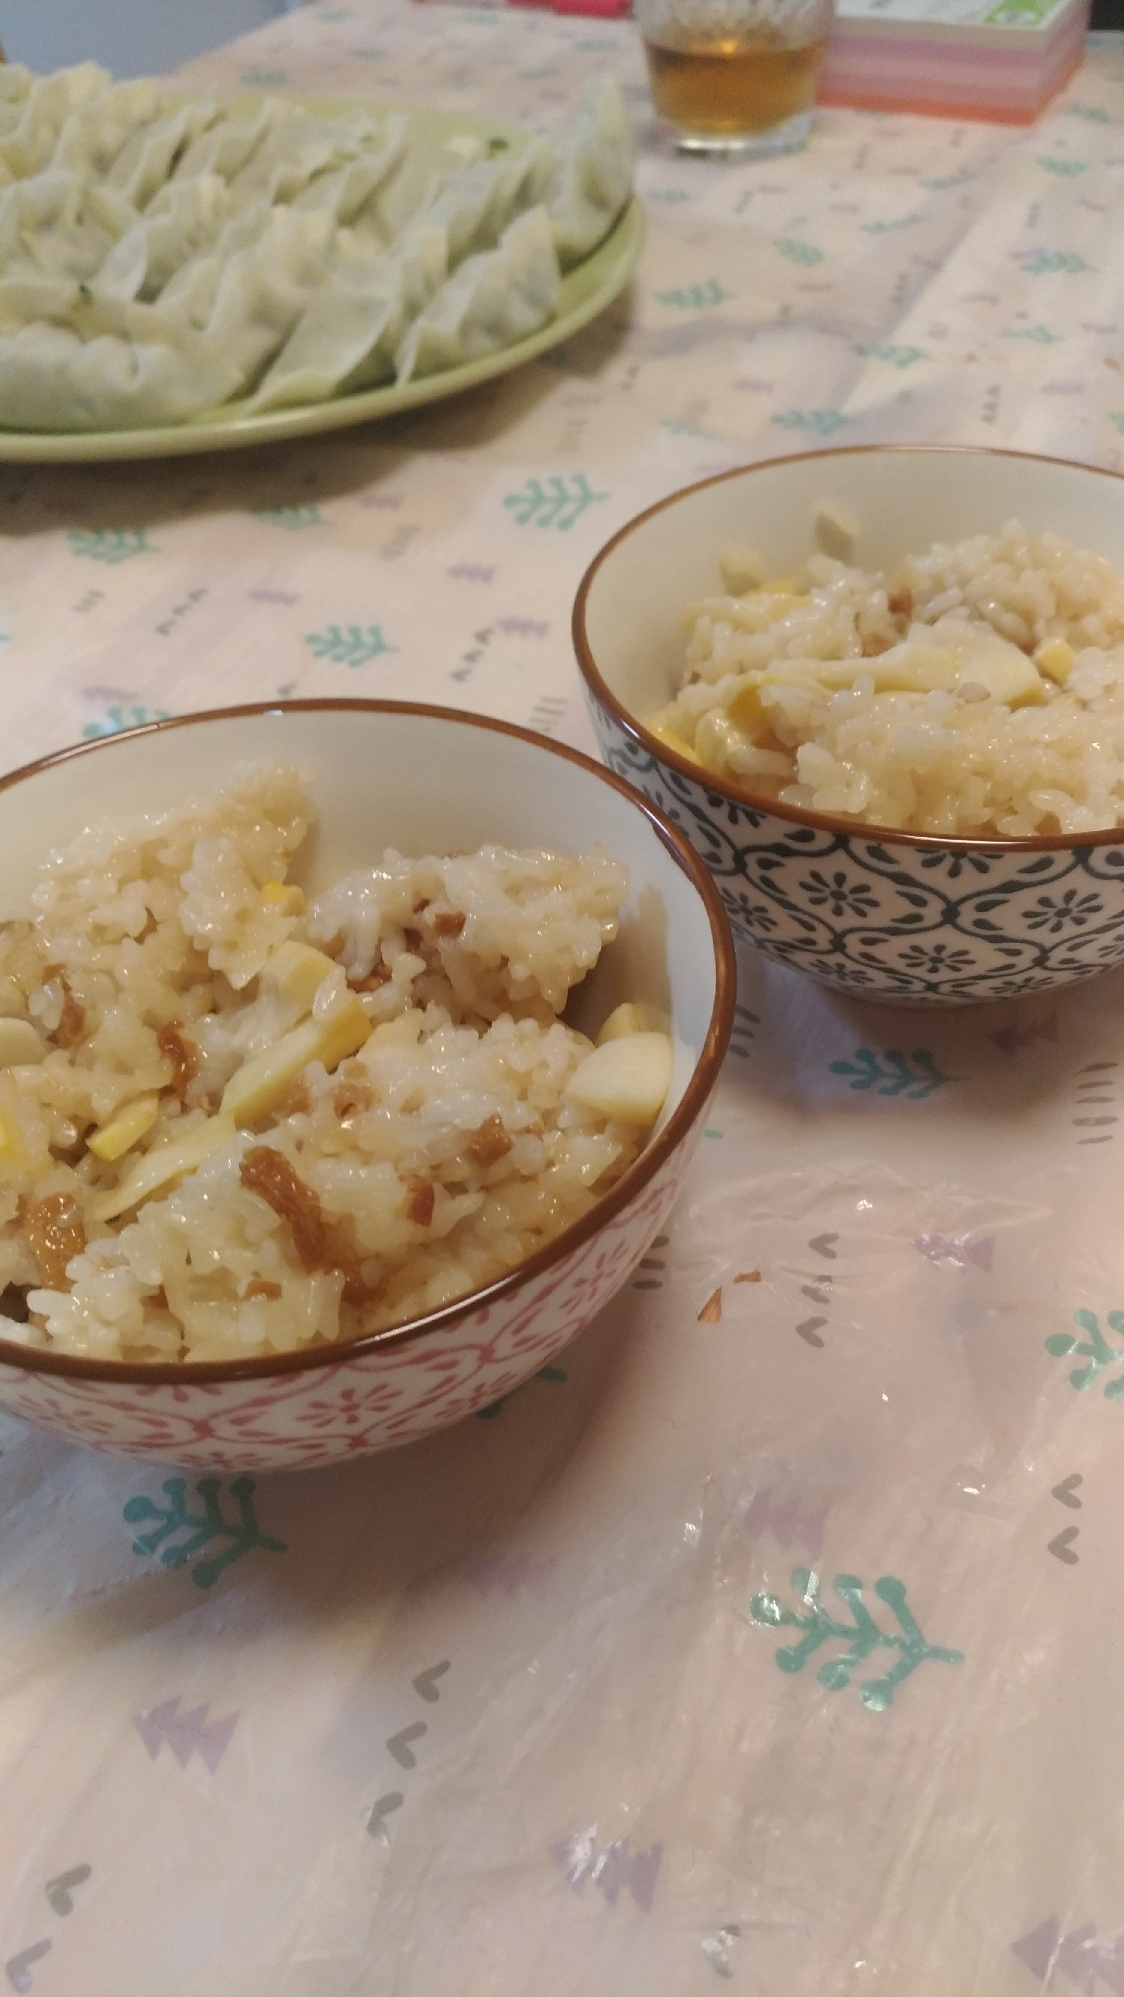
735,76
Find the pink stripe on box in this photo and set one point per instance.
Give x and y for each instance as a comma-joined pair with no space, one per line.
947,79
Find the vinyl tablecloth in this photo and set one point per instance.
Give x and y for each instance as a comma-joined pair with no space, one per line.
773,1638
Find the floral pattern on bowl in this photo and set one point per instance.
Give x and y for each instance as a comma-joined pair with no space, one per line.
874,916
353,1403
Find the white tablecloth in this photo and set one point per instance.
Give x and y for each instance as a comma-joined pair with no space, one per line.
511,1713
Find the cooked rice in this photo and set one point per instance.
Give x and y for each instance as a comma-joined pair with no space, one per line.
947,753
430,1162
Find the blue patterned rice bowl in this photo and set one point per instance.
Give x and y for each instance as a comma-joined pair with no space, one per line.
901,917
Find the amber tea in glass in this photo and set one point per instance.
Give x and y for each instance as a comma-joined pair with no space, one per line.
735,79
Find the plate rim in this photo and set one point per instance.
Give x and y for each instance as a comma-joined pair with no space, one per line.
620,250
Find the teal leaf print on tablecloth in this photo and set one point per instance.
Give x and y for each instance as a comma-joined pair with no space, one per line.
289,516
117,718
898,222
242,1532
696,297
898,357
267,79
348,645
862,1634
1054,260
822,422
891,1074
111,544
1066,167
670,195
1041,335
1118,418
1092,113
553,502
942,181
1096,1350
802,253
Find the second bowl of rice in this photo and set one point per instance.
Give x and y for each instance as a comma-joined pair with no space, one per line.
882,692
350,1056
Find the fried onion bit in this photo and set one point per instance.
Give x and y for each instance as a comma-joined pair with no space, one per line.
266,1172
182,1055
351,1097
54,1233
489,1143
419,1205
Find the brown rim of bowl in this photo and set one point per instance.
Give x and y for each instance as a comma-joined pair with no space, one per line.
32,1359
1046,842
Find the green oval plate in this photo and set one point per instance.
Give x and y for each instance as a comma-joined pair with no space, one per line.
586,291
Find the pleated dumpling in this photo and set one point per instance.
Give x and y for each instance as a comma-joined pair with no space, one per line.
351,331
263,289
184,221
344,190
249,289
43,111
298,148
149,155
94,133
419,175
588,178
57,224
226,146
15,83
189,295
71,361
482,198
494,299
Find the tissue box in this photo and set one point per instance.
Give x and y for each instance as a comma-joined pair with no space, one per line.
953,58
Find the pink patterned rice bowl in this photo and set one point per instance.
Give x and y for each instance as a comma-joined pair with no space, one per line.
420,781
